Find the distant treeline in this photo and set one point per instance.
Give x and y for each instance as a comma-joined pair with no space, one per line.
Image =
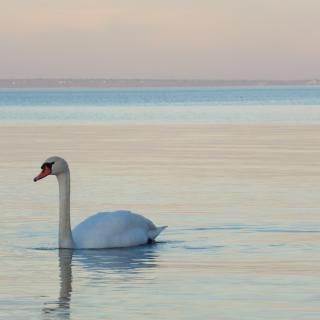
131,83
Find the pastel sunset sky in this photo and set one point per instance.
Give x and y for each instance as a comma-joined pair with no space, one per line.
172,39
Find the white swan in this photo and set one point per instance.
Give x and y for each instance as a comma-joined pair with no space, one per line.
102,230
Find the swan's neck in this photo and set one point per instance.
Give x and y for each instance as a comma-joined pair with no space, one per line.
65,235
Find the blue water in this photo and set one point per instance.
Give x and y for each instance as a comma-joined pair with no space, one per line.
163,105
241,203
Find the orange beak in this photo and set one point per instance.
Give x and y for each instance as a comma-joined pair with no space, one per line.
45,172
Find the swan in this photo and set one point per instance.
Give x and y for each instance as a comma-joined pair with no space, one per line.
103,230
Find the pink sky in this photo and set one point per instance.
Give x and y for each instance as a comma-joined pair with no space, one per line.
182,39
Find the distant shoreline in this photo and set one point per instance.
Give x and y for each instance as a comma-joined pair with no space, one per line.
145,83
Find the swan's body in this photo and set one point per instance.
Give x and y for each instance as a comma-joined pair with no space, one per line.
114,230
102,230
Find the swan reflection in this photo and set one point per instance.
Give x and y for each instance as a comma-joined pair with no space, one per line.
123,260
60,309
98,264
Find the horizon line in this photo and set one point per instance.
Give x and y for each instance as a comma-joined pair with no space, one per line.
143,82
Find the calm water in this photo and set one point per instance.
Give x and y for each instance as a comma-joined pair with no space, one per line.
222,105
239,192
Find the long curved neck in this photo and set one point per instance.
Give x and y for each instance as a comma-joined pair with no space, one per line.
65,235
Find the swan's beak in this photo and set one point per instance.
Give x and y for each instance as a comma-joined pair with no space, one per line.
45,172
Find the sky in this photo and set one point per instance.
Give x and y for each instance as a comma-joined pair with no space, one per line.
160,39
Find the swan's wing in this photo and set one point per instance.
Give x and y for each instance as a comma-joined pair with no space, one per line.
114,229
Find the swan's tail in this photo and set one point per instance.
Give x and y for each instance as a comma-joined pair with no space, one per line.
152,234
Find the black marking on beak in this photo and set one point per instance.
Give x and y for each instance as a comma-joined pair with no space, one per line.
47,164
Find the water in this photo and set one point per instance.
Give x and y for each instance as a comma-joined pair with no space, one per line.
241,200
199,105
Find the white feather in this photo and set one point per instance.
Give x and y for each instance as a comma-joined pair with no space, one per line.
114,230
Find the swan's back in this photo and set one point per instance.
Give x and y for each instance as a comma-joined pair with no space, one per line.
113,230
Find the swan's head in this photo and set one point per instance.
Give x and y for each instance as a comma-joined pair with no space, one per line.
54,166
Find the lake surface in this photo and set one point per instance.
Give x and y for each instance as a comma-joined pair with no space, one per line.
240,195
175,105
